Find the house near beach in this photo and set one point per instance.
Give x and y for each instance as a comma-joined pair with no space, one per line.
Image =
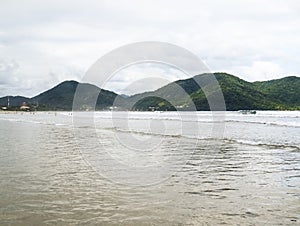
24,107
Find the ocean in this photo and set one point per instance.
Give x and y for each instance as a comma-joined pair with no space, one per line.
150,168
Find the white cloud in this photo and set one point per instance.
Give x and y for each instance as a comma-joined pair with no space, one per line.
8,69
260,71
56,40
143,77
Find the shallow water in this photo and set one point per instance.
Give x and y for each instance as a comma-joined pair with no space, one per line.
150,168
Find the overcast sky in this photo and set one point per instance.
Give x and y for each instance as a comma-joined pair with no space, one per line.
43,43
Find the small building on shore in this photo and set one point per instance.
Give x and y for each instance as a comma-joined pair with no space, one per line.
24,107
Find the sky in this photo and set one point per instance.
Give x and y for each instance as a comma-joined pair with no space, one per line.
43,43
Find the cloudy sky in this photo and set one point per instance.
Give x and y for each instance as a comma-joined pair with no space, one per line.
43,43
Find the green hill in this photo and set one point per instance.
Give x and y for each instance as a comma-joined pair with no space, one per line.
14,101
285,90
61,97
279,94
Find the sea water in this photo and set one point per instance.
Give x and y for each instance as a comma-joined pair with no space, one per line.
150,168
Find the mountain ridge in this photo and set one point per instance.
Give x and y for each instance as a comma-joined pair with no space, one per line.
184,94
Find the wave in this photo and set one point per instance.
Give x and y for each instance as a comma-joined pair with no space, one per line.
207,121
262,144
270,144
204,121
210,139
115,129
280,124
33,121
